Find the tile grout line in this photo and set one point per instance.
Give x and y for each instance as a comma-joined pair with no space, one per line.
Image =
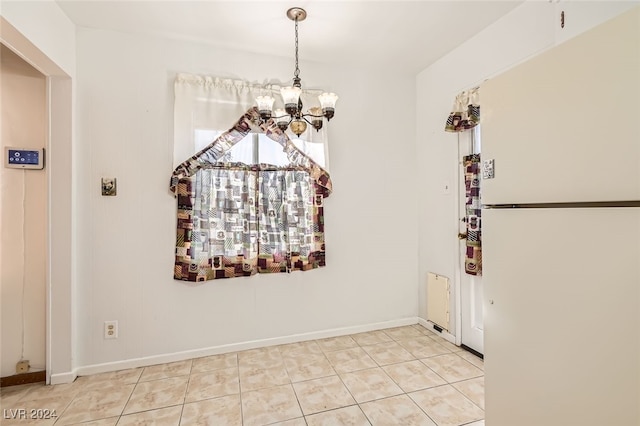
65,408
135,385
240,389
468,399
422,409
186,391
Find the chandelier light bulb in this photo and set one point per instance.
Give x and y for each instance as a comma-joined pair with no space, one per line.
265,106
316,117
282,119
291,96
328,102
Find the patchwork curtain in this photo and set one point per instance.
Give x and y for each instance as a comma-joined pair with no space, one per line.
465,113
238,220
473,257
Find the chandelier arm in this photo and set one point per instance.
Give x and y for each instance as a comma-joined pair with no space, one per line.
275,117
312,115
304,117
316,124
282,126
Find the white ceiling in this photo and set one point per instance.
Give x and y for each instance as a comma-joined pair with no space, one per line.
407,35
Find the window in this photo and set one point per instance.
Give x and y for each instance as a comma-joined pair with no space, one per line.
236,219
247,203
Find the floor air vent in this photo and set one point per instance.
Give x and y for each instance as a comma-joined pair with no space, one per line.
438,300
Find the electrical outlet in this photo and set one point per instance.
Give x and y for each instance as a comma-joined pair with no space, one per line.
22,366
111,329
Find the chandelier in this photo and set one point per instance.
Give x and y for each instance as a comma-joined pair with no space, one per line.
292,116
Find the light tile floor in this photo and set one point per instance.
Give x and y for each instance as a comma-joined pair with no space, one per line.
398,376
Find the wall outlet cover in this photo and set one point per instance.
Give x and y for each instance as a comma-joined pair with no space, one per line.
22,366
111,329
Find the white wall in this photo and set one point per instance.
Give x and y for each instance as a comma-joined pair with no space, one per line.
126,243
23,213
526,31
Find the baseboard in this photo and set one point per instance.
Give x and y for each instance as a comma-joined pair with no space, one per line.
61,378
23,378
444,333
215,350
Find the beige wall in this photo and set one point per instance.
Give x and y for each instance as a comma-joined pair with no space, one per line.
23,124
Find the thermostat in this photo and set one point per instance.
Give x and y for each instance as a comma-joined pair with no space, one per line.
21,158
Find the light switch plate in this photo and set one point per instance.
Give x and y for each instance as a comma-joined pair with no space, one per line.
109,186
488,169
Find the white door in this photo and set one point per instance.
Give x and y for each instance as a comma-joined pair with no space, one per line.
471,291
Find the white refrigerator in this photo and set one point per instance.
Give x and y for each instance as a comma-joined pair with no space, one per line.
561,233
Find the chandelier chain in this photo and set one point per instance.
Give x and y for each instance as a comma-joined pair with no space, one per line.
296,73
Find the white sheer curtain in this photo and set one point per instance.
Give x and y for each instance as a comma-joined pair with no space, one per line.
207,106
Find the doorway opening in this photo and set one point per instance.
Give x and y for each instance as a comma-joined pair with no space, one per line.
23,202
58,228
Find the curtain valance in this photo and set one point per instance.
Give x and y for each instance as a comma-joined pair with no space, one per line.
465,113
